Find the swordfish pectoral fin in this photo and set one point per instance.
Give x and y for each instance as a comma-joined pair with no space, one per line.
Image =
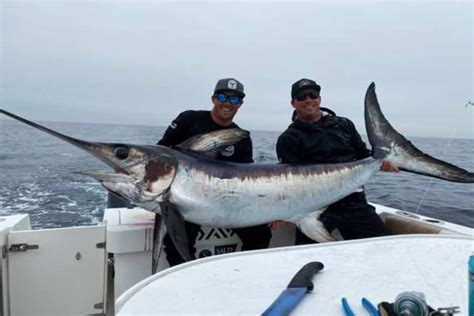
400,151
210,144
312,227
176,228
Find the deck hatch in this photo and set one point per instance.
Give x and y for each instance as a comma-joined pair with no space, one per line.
55,263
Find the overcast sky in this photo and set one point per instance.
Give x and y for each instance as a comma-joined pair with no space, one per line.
138,62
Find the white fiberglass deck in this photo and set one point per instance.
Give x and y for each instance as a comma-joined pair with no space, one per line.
247,283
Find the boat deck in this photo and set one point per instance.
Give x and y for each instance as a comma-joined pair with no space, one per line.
247,283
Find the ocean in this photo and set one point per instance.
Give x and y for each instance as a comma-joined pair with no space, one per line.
38,174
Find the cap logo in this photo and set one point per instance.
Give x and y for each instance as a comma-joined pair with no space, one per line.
304,83
232,84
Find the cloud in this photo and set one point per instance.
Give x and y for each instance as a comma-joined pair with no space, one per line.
144,62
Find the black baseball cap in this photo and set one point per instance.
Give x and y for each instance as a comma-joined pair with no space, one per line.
304,84
230,84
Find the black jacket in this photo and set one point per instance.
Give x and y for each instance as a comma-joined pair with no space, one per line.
191,123
332,139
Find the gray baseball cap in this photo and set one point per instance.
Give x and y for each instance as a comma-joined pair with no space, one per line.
230,84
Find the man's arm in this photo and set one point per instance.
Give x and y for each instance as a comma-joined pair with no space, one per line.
176,132
286,149
247,153
364,152
388,167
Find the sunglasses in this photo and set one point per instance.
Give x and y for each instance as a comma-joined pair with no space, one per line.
312,95
233,99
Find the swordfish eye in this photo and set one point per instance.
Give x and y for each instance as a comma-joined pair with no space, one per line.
121,151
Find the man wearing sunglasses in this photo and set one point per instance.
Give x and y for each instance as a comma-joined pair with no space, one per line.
318,135
227,98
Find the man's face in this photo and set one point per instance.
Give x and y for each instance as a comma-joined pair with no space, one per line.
306,103
226,104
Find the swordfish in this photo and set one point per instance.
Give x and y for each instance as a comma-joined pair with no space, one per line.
222,194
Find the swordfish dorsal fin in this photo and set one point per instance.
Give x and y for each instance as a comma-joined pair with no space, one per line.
210,144
403,153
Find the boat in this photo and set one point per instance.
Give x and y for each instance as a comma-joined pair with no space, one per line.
246,284
105,269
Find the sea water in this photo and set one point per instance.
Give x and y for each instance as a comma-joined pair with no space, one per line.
37,174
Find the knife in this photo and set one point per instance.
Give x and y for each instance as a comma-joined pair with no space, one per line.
295,291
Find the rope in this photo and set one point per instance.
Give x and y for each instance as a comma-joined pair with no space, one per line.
431,179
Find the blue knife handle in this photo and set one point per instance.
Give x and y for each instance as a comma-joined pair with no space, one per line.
347,309
286,302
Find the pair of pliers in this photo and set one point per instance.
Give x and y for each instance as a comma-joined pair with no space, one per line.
373,311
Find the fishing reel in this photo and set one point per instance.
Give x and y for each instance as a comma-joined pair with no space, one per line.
414,304
411,304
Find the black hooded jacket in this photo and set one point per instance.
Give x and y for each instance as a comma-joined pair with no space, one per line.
332,139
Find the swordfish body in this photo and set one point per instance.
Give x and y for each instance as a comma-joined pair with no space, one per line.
220,194
240,195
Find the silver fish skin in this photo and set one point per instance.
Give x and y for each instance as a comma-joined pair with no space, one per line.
209,194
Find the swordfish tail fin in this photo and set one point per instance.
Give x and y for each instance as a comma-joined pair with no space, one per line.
376,124
400,151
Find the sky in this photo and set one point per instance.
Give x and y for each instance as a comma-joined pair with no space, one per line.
143,62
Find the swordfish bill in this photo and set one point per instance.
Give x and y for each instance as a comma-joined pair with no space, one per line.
222,194
107,152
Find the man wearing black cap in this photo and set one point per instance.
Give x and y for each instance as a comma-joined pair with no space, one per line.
227,98
318,135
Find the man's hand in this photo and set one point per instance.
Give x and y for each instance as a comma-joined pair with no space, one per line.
388,167
278,224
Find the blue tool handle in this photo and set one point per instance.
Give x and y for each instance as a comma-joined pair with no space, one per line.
471,285
347,310
370,307
286,302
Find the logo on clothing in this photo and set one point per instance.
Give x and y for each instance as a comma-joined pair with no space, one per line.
205,253
232,84
228,151
215,233
173,125
219,250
